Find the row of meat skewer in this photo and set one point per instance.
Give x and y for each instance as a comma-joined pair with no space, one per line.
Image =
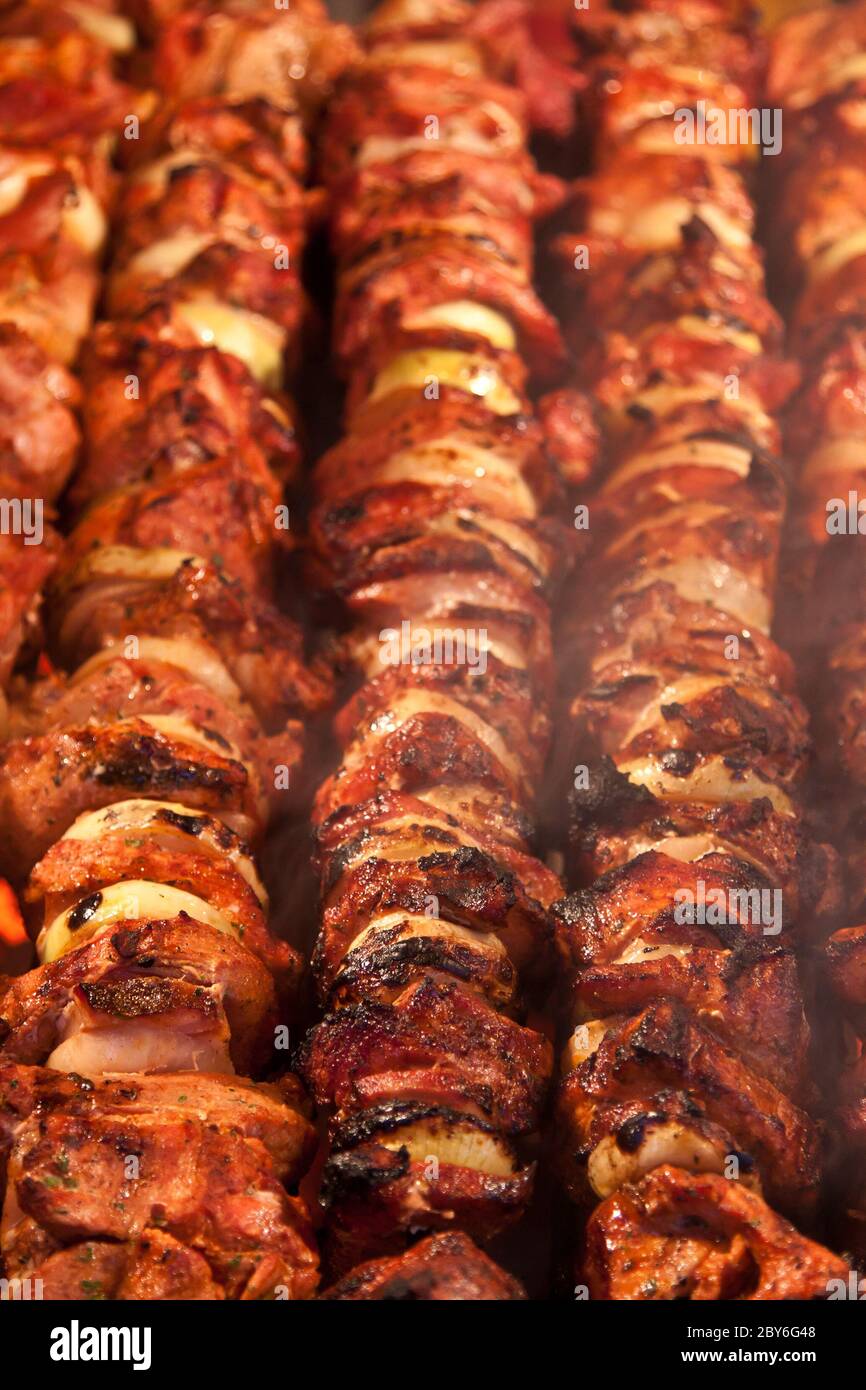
428,520
817,239
164,729
686,1108
141,766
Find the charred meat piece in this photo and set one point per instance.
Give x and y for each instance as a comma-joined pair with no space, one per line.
177,993
180,1174
24,570
445,1268
437,1043
408,1166
46,781
661,1083
198,403
236,51
194,604
677,1235
39,435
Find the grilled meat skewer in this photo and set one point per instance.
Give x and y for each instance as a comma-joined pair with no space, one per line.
141,766
428,524
817,235
686,1081
61,112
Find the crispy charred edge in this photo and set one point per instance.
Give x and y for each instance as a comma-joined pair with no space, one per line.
378,1196
442,1267
427,746
89,767
346,830
390,1118
142,760
736,719
612,811
435,1038
583,916
388,964
75,870
470,889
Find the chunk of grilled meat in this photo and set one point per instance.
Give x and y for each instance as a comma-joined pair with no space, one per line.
273,1115
436,450
435,1042
677,1234
154,683
263,144
192,606
154,1187
212,166
660,1087
39,435
172,995
441,1268
160,843
24,570
216,510
57,85
655,54
406,1167
403,855
60,111
614,819
236,50
47,781
191,405
526,44
627,941
49,290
